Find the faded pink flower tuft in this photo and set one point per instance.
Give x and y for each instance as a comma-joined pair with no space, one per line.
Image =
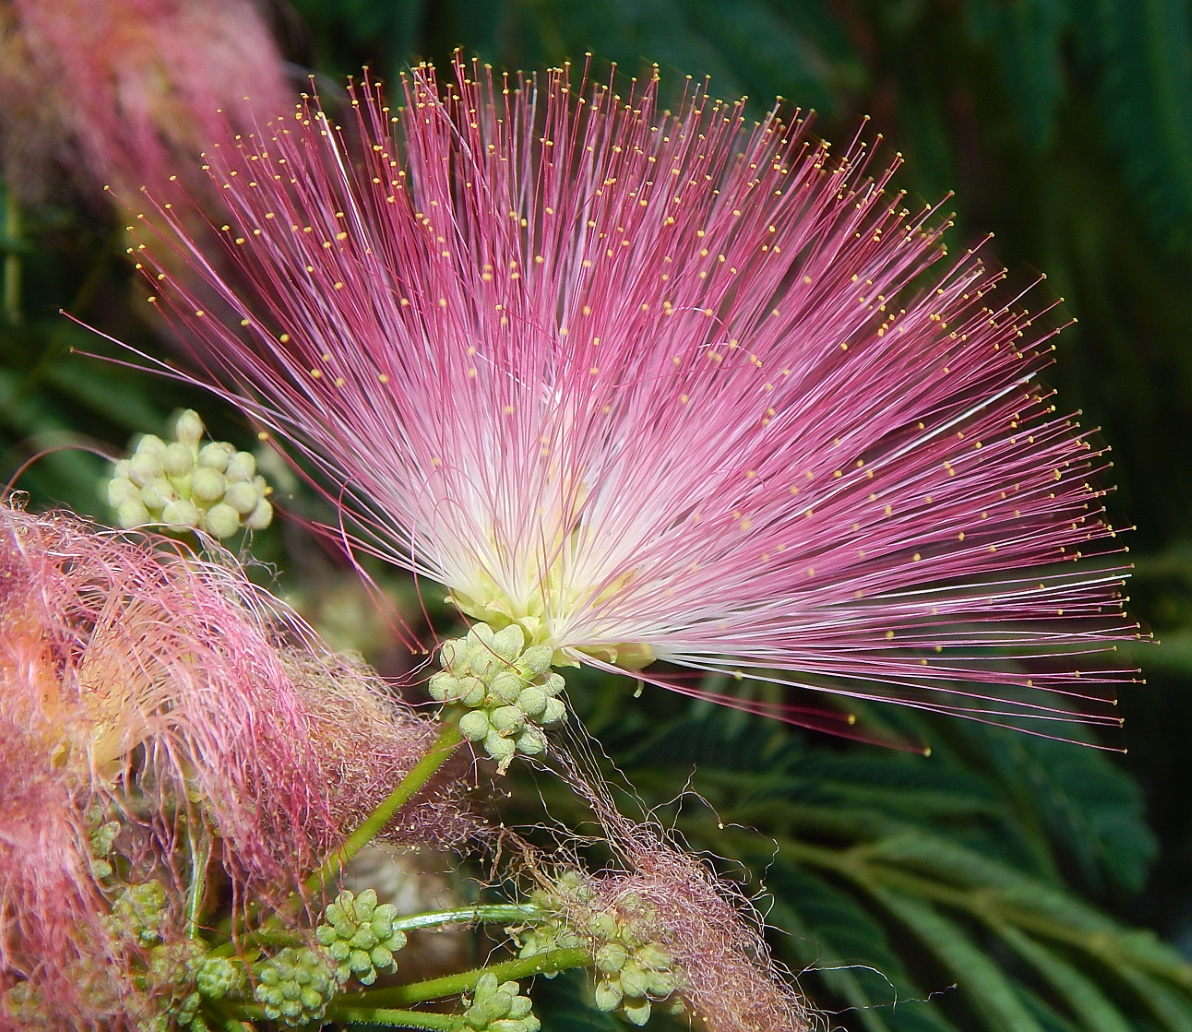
142,686
665,386
127,90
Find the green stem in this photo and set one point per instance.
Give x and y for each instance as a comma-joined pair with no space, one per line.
403,1019
200,856
448,741
465,981
490,914
12,260
438,754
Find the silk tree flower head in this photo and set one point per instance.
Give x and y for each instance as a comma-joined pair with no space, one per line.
662,386
148,699
124,91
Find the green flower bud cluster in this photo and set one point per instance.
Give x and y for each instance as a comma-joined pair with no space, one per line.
572,890
359,936
497,1007
502,692
296,985
182,973
171,976
100,843
188,485
633,974
139,913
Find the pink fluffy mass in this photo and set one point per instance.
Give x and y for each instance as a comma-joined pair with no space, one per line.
662,386
151,700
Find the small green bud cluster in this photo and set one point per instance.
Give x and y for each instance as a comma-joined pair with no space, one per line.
359,936
188,485
171,975
139,913
633,974
100,842
503,692
572,891
498,1007
296,985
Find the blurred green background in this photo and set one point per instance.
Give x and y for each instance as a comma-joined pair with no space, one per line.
1017,870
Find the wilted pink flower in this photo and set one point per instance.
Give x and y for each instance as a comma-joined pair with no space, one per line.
141,685
129,89
664,386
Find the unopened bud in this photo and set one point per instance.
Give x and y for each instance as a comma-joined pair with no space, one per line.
178,460
474,725
131,513
207,485
189,429
181,513
216,455
242,497
221,521
241,467
261,516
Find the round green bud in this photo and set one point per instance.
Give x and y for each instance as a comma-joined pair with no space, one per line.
221,521
452,654
207,485
243,497
603,925
484,664
381,956
608,996
181,513
535,661
177,460
653,958
521,1006
553,685
442,686
531,742
472,691
121,489
157,494
508,643
261,516
132,513
474,725
611,957
660,983
633,980
554,712
507,685
532,700
150,445
143,468
637,1012
215,455
499,747
241,467
364,939
189,429
507,720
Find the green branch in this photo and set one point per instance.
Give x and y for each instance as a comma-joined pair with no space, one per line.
402,1019
465,981
409,786
438,754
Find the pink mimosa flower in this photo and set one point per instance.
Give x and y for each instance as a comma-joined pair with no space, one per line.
664,386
